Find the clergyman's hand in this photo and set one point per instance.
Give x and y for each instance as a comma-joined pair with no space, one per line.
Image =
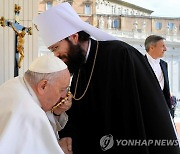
64,106
66,145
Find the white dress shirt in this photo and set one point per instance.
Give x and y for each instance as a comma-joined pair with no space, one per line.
155,64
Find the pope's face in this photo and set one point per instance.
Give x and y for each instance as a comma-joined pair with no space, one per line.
72,55
56,90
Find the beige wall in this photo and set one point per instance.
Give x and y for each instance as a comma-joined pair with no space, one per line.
7,38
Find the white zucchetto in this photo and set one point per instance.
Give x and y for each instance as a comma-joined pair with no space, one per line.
47,64
61,21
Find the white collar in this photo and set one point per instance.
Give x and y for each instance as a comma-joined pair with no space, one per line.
89,45
152,60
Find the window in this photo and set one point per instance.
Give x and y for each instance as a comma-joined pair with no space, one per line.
48,5
87,9
116,23
170,25
158,25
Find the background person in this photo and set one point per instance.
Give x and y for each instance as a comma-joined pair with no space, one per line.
25,103
173,100
115,92
155,47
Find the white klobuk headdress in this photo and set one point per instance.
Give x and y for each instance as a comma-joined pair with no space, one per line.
61,21
47,64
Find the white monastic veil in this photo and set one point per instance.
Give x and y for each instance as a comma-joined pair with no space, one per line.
62,21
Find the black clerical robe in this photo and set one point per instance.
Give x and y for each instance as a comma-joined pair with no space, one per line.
123,104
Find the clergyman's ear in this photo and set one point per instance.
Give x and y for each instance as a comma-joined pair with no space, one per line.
74,38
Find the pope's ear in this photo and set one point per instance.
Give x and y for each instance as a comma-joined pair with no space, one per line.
74,38
42,86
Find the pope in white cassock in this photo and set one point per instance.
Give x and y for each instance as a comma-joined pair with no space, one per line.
27,125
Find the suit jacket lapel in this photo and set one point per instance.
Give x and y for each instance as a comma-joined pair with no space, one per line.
164,70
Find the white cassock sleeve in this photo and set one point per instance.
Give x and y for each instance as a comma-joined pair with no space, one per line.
57,122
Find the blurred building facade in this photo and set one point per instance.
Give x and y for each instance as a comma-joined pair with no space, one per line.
131,24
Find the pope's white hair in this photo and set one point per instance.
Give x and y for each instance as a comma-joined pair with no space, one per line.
34,78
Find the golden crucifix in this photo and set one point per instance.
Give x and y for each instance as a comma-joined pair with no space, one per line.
20,32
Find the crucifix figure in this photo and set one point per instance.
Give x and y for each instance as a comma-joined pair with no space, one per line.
20,32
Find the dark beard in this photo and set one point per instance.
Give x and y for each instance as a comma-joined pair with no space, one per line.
75,57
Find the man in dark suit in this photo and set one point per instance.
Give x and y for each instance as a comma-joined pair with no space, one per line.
156,48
